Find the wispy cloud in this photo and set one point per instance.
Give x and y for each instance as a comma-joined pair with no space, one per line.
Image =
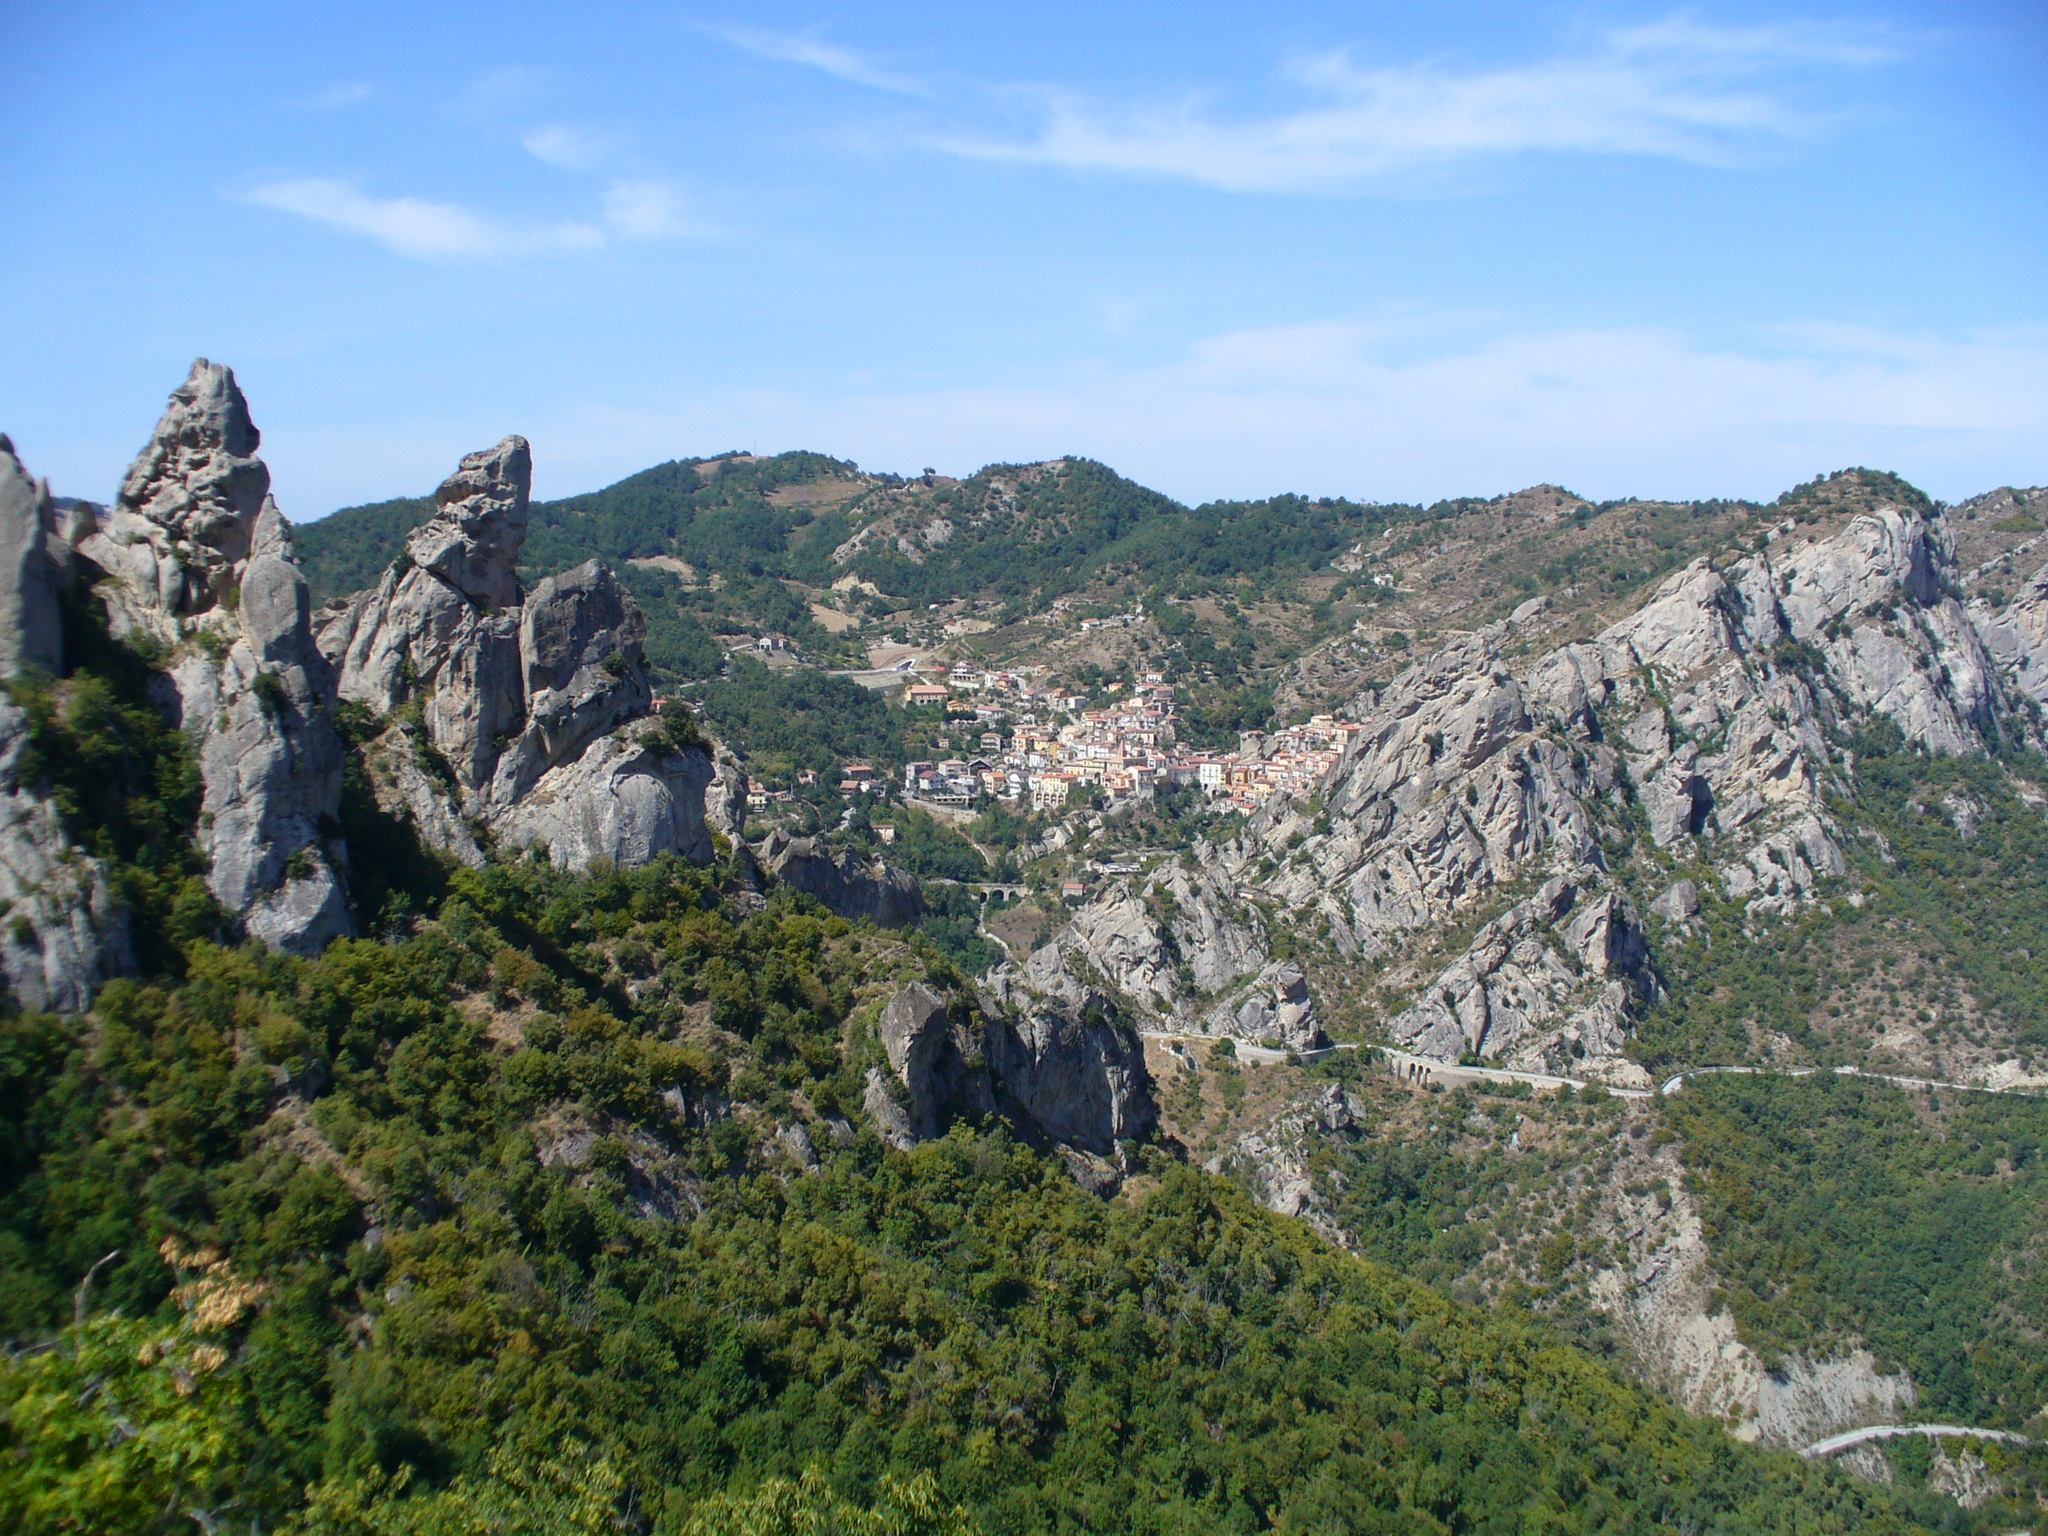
335,97
420,229
498,91
651,210
571,148
1677,89
813,52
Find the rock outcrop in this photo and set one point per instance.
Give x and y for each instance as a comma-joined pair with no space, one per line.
62,933
880,893
34,565
1062,1073
195,555
938,1063
1562,967
182,526
515,718
1481,787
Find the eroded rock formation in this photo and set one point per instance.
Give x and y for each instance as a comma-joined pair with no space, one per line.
1482,785
1062,1073
195,555
857,891
516,718
34,565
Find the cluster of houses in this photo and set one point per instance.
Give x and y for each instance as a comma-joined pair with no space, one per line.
1031,746
1129,749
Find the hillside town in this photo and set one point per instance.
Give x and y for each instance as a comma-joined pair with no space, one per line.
1035,746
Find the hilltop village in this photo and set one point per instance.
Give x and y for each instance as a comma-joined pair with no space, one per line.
1033,746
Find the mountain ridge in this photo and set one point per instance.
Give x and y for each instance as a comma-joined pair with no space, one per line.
496,1099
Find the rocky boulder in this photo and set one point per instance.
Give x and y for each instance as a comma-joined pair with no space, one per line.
880,893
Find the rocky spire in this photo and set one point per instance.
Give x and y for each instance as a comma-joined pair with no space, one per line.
198,486
31,635
472,541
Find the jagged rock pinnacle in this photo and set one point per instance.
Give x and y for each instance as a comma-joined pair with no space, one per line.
472,541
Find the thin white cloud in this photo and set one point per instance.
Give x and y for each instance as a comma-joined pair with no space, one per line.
650,210
501,89
420,229
570,148
1677,90
447,232
814,53
335,97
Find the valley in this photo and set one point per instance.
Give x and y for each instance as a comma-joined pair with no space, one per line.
1022,998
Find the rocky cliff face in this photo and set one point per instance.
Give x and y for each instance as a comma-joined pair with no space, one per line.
35,564
195,555
1483,784
859,892
64,933
1063,1074
513,715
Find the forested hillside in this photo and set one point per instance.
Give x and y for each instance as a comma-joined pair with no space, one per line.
469,1219
448,1086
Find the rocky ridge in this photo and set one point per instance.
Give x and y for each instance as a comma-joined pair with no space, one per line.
1487,789
516,718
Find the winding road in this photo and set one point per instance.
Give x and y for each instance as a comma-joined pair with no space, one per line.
1854,1437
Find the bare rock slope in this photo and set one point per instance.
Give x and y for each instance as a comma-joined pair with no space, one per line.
516,718
1485,779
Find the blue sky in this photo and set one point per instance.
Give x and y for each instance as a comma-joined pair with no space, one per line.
1384,251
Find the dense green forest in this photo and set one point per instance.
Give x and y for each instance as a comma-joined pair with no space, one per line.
1843,1211
487,1225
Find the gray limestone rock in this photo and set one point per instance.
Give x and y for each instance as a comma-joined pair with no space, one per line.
473,539
1074,1073
62,933
410,784
1678,803
881,894
579,653
272,767
198,556
1557,970
936,1060
1680,903
620,802
31,632
892,1121
527,705
183,523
